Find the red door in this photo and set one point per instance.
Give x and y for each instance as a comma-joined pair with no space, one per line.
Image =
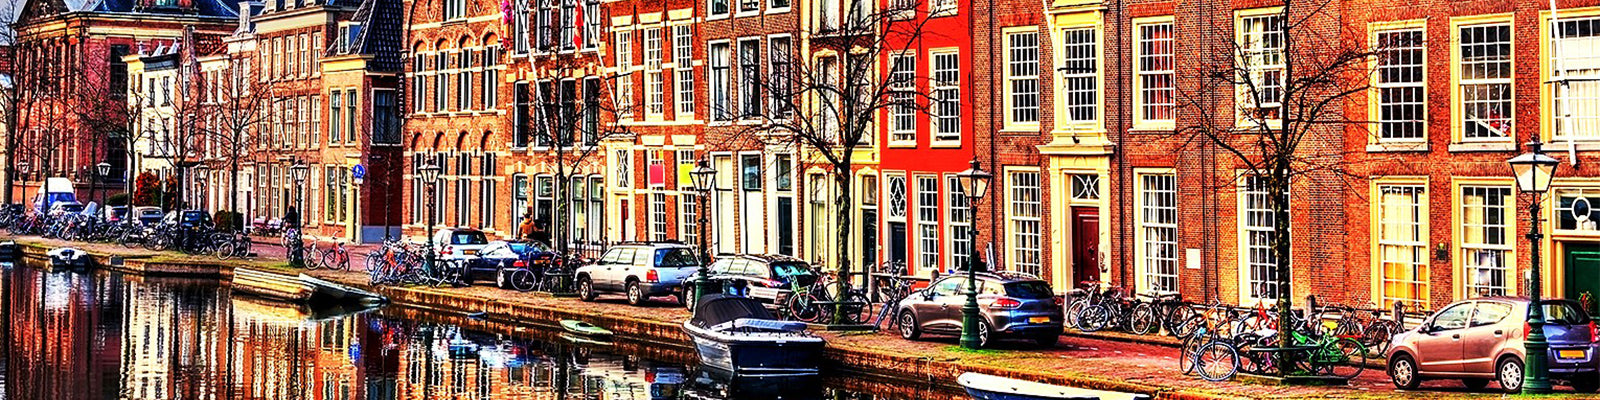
1085,244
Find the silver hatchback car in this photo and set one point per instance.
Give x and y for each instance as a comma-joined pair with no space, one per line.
1480,340
1010,305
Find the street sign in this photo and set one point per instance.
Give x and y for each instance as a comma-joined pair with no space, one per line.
358,171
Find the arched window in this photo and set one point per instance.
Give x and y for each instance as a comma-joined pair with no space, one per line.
465,63
419,87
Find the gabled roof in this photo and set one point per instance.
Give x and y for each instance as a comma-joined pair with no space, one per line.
35,9
379,34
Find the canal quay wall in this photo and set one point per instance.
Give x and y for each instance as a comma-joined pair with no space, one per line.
658,325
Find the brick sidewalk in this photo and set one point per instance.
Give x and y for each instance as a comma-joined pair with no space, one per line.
1103,358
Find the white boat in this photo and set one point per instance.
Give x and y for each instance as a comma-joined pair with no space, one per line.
990,387
738,335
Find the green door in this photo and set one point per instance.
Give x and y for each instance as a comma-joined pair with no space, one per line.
1583,272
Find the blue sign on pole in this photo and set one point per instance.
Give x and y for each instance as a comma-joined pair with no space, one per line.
358,171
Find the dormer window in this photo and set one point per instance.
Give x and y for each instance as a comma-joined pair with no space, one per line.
347,37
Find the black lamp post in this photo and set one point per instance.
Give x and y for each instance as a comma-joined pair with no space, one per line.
103,169
704,179
1534,170
297,257
430,176
23,168
201,172
974,183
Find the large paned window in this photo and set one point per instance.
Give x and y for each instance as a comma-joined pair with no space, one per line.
958,223
1261,58
1154,73
928,221
1485,82
688,218
903,83
946,88
1575,45
1158,231
1486,239
778,54
1080,90
654,88
750,78
1402,103
1257,228
658,216
1022,77
717,82
1024,219
1403,244
683,69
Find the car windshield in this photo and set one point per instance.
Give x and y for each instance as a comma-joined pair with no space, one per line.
194,216
72,208
119,212
529,247
675,258
1029,290
785,271
1563,313
468,237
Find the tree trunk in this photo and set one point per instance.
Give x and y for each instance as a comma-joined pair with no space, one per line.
1281,241
842,179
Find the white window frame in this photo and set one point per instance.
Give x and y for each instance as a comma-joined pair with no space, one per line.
1261,58
1479,226
1462,84
1079,74
1156,235
927,221
1416,241
1022,71
958,223
903,85
1398,59
1024,219
1154,61
944,90
1249,195
1583,89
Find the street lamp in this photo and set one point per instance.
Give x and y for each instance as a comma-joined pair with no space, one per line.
102,169
201,172
297,256
1534,171
974,183
430,176
704,179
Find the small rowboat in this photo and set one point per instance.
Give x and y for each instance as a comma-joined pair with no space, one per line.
581,328
990,387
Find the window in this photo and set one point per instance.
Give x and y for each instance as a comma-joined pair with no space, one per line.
1575,46
749,6
1575,212
940,7
717,82
1154,73
658,216
683,67
622,168
1024,221
1485,82
1399,85
624,50
688,218
454,9
1158,231
1261,56
591,111
523,118
519,26
463,197
1085,187
591,24
1080,91
946,88
1022,77
441,82
928,221
418,82
1256,225
778,60
1486,240
568,25
330,194
1403,244
959,222
335,116
653,85
750,172
895,185
491,78
775,5
749,78
487,189
719,8
783,174
903,83
464,79
350,115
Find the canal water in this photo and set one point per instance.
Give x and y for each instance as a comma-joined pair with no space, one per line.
101,335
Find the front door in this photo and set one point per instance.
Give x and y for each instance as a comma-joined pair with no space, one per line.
625,213
897,242
1085,244
1583,273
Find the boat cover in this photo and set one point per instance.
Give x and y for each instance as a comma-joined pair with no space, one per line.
762,324
716,309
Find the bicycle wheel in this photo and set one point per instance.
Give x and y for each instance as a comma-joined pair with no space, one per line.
1186,353
1094,318
225,250
1143,319
804,308
336,260
522,280
858,309
1176,321
1072,312
1344,358
1377,336
1216,361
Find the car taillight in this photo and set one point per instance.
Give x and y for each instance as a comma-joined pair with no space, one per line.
652,276
1059,301
1005,302
1594,332
520,264
1526,329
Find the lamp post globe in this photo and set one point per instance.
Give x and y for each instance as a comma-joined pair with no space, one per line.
1534,171
974,183
104,168
704,179
430,177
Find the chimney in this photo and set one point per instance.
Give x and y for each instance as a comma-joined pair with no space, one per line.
244,17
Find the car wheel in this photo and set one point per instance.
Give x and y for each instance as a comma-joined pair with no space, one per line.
1403,372
635,293
984,334
908,325
585,289
500,278
1047,339
1475,383
1508,373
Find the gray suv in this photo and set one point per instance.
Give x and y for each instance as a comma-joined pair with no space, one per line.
1010,305
639,270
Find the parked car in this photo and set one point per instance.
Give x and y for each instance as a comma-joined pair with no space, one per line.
1479,340
188,219
768,278
66,207
148,215
116,213
500,255
1010,305
459,243
639,270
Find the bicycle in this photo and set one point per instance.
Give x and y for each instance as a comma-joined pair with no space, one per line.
891,291
336,258
808,303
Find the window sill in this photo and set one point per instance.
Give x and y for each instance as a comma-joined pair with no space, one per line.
777,10
1563,145
1474,147
1145,130
945,144
1154,126
1028,127
902,145
1397,147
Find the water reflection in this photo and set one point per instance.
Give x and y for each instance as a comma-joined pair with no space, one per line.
106,336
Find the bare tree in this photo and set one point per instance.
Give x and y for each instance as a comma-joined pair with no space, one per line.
1273,92
826,101
235,106
574,111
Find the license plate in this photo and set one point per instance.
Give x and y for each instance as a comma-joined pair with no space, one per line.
1038,320
1569,354
471,252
